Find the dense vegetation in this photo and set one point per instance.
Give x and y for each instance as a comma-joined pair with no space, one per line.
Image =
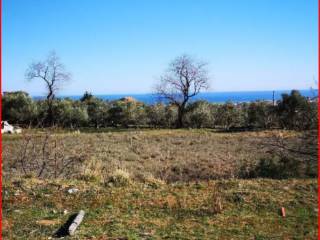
293,111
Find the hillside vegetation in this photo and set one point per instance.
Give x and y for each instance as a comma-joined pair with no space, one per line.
293,111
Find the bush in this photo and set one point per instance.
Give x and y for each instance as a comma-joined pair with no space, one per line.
279,168
156,115
200,114
98,111
18,108
261,115
229,115
92,170
295,112
68,113
151,181
119,178
127,112
171,116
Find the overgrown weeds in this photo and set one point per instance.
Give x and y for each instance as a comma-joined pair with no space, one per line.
167,155
44,156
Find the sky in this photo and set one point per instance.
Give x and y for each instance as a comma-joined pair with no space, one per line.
124,46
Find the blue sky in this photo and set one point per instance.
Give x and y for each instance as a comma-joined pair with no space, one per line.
123,46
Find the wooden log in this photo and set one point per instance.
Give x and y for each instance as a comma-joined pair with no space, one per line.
76,222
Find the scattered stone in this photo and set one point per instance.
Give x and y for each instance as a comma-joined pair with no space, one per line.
65,212
73,190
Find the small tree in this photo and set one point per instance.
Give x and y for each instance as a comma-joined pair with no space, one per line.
87,96
98,111
18,107
156,115
53,74
184,79
127,112
200,114
261,114
295,112
229,115
69,113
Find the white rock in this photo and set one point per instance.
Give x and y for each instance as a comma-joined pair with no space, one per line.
76,222
73,190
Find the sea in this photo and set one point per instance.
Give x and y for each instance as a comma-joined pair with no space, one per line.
213,97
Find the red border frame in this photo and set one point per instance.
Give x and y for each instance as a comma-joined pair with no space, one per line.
1,119
318,120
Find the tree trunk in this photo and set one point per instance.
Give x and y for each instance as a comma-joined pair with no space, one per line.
180,116
49,117
50,99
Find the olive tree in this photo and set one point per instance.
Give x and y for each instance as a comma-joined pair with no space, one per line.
18,108
296,112
200,114
156,115
184,79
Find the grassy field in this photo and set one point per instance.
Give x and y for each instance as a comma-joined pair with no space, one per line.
229,209
151,184
171,155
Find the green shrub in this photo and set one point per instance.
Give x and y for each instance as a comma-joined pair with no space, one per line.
279,168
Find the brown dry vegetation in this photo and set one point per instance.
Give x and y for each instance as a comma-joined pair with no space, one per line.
170,155
154,184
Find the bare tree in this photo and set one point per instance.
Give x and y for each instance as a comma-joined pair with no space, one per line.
53,74
184,79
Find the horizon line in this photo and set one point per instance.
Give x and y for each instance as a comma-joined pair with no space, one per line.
150,93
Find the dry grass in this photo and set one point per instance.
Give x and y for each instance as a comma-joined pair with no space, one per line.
154,184
169,155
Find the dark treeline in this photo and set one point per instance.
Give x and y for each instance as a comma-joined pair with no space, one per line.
293,111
